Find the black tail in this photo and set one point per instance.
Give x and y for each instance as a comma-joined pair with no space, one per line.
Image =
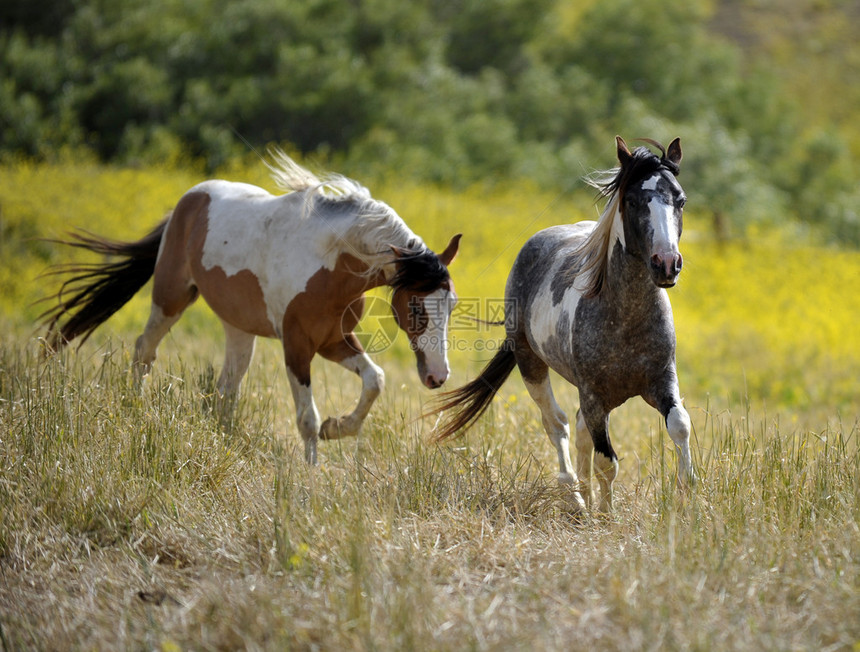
98,290
472,399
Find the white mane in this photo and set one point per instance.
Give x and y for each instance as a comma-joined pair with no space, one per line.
289,176
594,253
375,227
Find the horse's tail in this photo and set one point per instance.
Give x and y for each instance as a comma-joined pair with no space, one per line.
96,291
471,400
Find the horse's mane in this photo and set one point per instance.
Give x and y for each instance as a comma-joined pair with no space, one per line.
376,227
289,176
420,272
592,256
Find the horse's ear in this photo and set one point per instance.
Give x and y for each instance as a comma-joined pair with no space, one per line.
673,153
624,154
450,252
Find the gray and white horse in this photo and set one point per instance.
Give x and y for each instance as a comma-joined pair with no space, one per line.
589,301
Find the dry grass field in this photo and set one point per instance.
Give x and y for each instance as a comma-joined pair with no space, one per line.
147,522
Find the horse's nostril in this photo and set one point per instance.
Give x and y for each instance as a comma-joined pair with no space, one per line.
663,263
436,381
668,264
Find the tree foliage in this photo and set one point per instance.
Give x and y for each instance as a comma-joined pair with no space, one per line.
452,92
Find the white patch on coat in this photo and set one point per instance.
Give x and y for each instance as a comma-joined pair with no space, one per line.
651,184
679,426
433,342
250,229
371,374
665,227
278,240
544,316
617,234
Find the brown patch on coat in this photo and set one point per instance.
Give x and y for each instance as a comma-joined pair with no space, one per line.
409,312
173,287
317,318
238,298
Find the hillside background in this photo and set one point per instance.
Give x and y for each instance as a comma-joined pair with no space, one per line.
153,520
764,94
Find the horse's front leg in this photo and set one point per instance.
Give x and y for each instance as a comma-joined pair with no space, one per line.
307,416
678,425
596,421
349,354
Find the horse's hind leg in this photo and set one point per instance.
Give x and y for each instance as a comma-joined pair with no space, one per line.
536,378
239,350
156,328
172,292
348,353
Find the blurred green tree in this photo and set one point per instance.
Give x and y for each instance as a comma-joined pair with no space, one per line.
454,91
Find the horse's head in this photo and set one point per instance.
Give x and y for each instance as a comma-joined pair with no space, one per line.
652,204
422,302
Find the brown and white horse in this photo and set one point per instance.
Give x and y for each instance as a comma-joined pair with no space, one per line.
293,267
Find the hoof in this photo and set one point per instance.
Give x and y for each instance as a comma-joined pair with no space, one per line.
570,487
311,451
574,503
572,506
686,481
330,429
336,428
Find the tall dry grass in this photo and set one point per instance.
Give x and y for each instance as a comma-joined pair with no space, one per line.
148,522
152,520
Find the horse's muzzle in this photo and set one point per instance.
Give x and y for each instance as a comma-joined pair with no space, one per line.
434,381
432,378
665,268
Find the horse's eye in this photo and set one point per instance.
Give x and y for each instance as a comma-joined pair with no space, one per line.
682,201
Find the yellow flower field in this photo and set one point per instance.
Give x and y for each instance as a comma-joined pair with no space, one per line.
765,321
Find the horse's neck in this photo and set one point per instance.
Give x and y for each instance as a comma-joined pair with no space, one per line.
371,243
629,287
357,274
372,269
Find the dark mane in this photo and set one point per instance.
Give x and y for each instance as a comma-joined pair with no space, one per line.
420,271
592,257
643,164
